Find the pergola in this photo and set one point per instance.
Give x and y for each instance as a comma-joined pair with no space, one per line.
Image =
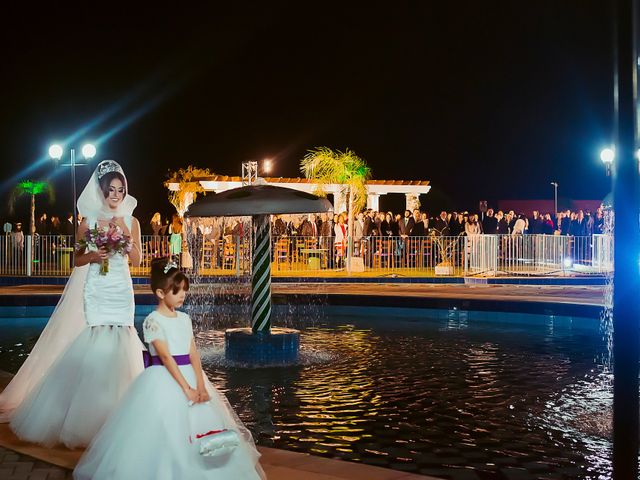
412,189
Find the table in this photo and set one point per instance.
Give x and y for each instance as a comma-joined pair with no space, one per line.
315,256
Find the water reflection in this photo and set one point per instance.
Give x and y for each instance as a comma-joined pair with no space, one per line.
434,396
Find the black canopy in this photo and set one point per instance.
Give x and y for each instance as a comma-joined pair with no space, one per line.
257,200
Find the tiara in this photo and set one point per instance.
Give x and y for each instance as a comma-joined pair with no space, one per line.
108,166
170,264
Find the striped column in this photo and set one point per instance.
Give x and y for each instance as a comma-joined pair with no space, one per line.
261,275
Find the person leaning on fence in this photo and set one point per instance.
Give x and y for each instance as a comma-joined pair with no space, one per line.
456,225
358,233
520,225
490,223
340,244
441,226
175,236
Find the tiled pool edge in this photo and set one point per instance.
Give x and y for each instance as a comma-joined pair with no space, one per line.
518,280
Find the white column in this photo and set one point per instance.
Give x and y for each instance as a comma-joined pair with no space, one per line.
412,201
373,201
340,201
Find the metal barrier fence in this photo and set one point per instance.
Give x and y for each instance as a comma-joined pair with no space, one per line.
539,254
485,255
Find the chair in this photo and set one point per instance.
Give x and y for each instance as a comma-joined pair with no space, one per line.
382,252
208,258
425,249
229,254
299,244
281,252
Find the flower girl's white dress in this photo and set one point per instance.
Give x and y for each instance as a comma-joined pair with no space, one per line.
150,435
83,386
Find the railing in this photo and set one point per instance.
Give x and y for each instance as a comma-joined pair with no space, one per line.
539,254
480,255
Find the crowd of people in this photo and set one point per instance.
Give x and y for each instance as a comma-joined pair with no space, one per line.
329,230
419,224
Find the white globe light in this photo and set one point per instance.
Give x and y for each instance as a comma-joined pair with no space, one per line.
607,155
55,151
88,150
266,165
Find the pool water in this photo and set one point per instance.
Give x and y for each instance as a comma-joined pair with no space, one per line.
452,394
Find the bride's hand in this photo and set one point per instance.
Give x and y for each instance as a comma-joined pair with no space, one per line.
119,221
99,256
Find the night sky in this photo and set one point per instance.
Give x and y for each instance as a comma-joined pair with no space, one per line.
487,100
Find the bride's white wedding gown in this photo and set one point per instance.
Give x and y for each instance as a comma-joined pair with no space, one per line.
82,387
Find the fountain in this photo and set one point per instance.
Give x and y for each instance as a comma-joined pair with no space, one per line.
260,345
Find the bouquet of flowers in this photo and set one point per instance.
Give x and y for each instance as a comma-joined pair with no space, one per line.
112,239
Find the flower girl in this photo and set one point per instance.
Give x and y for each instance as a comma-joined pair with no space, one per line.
172,423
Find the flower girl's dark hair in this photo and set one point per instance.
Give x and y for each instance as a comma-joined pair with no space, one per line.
167,276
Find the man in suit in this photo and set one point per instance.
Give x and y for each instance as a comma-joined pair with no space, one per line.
440,225
565,223
326,235
67,226
406,224
503,225
279,227
358,232
310,227
490,223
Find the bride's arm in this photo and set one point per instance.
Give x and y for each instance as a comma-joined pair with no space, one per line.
135,255
82,257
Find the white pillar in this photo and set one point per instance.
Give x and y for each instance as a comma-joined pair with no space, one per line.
340,201
373,201
412,201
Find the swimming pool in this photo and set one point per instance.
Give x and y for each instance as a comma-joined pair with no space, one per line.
448,393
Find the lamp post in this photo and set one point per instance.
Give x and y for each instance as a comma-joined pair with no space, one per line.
555,196
267,164
88,152
607,155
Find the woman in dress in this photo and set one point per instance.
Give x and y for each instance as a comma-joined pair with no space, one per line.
79,390
340,231
172,423
175,239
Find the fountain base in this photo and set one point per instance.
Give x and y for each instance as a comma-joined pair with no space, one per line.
279,346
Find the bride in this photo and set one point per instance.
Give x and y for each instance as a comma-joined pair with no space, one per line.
89,352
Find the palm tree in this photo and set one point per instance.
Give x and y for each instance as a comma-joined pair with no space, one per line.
29,187
326,166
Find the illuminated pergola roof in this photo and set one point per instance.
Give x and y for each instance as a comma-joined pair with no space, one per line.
220,183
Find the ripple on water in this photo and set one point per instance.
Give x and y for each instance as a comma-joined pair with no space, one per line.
420,395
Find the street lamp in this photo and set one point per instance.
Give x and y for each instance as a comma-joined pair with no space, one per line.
266,165
607,155
88,152
555,196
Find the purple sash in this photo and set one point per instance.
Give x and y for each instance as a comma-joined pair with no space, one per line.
151,360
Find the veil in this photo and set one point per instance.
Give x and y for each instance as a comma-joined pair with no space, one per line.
91,201
67,320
